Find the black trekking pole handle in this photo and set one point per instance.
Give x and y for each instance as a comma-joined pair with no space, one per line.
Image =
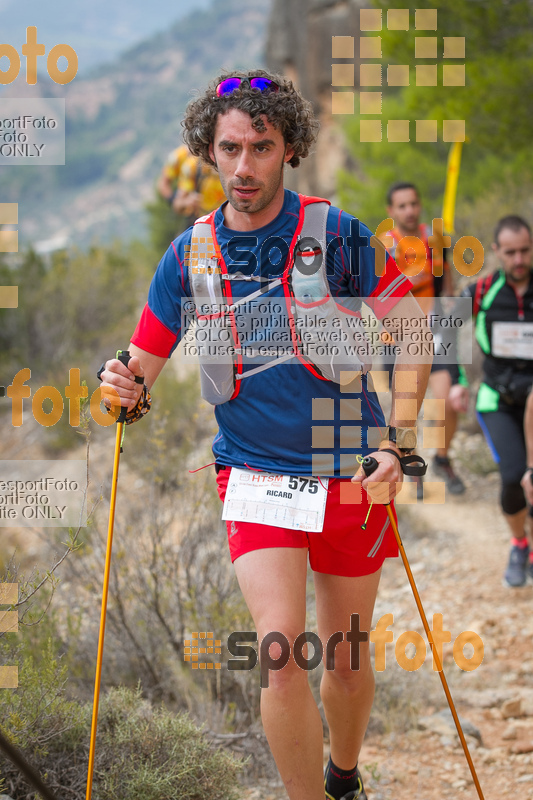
369,465
123,356
410,465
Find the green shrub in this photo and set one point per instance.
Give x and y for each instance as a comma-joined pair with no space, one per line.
153,754
141,751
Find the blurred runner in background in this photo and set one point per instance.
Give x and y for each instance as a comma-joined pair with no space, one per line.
447,381
190,187
527,478
503,315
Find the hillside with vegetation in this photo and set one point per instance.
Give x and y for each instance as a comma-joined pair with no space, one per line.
166,730
122,122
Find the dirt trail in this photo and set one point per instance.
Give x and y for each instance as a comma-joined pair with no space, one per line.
458,552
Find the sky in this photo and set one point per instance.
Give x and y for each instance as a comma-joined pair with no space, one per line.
99,31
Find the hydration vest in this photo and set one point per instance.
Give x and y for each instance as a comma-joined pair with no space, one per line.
312,314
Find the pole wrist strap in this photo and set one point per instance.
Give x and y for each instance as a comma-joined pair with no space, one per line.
412,465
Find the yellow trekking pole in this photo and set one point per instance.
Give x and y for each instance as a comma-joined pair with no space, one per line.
450,189
369,465
124,356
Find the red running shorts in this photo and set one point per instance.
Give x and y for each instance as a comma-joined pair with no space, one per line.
341,548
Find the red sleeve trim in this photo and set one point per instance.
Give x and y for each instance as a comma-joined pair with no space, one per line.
152,336
391,286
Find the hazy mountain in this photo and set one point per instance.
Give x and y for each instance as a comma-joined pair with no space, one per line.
123,120
98,31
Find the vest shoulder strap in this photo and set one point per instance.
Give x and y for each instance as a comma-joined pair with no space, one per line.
482,286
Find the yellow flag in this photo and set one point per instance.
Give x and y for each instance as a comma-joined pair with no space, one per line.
450,190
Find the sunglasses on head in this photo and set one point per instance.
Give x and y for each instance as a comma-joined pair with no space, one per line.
230,85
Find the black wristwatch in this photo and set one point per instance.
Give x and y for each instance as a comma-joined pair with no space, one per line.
403,438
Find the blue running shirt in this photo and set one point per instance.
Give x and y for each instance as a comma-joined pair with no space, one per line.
284,419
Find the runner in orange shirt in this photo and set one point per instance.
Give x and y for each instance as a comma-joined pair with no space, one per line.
447,381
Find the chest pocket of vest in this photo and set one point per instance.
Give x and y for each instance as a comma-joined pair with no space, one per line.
327,334
213,326
331,335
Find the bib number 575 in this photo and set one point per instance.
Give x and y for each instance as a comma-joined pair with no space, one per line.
301,484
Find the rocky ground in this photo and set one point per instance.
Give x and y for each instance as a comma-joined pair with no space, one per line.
457,551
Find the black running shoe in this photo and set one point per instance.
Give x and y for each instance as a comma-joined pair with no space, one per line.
355,794
517,568
443,469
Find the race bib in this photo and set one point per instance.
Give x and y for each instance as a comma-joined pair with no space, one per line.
513,340
284,501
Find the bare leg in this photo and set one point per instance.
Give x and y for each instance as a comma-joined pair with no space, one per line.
273,582
517,523
347,694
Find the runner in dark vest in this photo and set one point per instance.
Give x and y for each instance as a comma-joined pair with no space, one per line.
503,314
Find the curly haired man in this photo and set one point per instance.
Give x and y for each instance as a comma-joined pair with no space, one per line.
290,426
